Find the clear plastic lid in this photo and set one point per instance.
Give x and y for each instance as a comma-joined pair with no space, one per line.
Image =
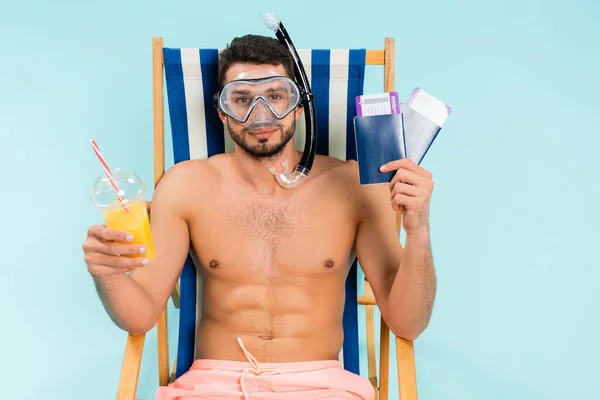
131,189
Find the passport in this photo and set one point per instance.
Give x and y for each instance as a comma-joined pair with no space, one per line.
423,116
419,133
379,139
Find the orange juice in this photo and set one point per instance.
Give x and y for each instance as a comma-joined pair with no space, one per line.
129,191
134,221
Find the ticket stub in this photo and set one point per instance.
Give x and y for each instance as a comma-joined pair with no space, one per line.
428,106
377,104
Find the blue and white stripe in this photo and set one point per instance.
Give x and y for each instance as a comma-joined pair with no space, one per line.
336,76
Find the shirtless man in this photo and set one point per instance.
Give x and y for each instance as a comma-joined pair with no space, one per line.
273,260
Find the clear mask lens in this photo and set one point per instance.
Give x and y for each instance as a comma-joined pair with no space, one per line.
268,97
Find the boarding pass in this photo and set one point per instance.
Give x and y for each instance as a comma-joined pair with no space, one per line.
428,106
377,104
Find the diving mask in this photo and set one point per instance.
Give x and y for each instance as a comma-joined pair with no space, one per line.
278,94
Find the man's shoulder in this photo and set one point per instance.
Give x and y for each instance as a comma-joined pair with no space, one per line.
201,169
340,171
335,165
186,178
346,174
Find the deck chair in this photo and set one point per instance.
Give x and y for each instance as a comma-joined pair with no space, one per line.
336,76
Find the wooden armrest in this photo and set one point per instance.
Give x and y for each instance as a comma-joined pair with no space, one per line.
384,360
371,357
407,376
130,370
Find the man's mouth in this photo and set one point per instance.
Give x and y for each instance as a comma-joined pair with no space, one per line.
262,133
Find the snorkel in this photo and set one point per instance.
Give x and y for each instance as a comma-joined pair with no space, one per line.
286,179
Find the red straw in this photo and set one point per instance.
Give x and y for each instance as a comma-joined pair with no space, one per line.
107,172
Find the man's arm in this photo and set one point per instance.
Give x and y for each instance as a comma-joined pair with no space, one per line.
403,279
134,301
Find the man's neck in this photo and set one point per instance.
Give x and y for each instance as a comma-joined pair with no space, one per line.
256,172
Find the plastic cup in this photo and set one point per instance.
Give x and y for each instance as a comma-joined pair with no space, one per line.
130,215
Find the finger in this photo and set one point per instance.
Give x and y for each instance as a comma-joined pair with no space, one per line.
113,248
406,163
103,233
401,201
406,176
406,189
101,270
106,260
397,164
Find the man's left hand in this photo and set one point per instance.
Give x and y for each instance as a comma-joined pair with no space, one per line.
410,190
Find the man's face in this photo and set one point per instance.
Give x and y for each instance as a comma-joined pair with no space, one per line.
261,141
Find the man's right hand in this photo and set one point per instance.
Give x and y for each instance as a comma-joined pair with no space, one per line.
103,254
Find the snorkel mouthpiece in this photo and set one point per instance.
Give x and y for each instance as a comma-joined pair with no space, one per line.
284,178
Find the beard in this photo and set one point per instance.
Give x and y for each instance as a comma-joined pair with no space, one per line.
266,149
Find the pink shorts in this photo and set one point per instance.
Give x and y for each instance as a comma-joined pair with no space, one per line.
309,380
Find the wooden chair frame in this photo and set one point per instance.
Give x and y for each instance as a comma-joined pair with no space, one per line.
407,385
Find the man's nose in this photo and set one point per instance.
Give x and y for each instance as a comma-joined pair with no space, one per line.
262,111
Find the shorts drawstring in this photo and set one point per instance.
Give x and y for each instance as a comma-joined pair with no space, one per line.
254,367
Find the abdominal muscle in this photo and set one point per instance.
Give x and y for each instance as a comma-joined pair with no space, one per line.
284,320
273,268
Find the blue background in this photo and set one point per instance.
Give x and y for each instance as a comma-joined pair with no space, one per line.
514,212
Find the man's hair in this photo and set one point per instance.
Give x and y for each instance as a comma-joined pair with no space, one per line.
255,49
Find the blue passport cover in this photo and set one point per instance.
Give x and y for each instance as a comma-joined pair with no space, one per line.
379,139
419,133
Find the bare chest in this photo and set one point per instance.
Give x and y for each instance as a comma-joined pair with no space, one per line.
245,241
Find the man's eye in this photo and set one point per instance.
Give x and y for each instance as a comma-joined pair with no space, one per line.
242,100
